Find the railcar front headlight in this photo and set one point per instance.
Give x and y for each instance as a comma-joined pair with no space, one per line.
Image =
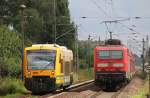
53,73
102,65
29,74
118,65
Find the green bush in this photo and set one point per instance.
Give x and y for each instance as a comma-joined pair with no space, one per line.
11,96
11,86
10,52
142,75
86,74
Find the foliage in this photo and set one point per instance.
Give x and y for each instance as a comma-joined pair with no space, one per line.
86,53
39,28
10,45
141,74
149,55
38,25
86,74
149,51
10,86
138,60
39,20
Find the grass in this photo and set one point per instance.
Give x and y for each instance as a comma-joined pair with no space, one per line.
144,90
14,88
17,95
11,95
11,88
83,75
86,74
141,93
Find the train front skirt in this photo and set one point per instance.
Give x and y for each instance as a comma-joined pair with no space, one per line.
109,79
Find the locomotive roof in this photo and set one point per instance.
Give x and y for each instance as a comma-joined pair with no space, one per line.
114,47
110,47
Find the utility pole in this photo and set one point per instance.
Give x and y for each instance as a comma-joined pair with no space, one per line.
110,35
55,32
76,51
89,48
148,64
22,32
1,20
99,41
147,47
148,96
128,43
143,56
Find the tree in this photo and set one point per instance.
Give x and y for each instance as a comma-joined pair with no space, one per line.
39,20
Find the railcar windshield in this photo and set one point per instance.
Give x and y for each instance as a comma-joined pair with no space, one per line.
41,59
110,54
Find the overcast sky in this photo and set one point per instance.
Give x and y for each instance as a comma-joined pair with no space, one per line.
97,11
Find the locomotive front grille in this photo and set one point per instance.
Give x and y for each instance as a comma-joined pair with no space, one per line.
108,75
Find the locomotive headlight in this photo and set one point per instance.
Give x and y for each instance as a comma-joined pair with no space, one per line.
118,65
102,65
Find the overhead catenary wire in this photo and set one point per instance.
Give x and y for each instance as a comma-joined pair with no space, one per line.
129,28
128,18
100,8
117,21
107,15
107,27
111,11
114,17
114,12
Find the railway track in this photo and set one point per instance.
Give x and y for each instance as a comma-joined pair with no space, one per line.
73,88
108,94
83,92
85,89
117,93
102,94
97,94
80,85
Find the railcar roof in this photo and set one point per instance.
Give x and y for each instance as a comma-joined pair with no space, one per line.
41,46
47,46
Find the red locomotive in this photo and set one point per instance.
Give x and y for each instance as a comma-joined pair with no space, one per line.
114,64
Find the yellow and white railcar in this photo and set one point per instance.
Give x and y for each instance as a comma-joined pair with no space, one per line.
47,67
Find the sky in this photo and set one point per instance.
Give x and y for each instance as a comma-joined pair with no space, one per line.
98,11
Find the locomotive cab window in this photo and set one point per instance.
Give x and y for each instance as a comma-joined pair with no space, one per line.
116,54
104,54
41,59
110,54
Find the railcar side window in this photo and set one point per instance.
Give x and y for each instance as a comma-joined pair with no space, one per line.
41,59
